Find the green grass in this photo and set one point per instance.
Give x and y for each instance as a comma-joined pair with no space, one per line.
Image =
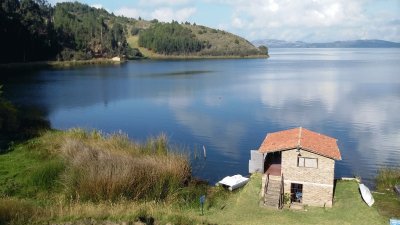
387,201
27,173
242,207
387,178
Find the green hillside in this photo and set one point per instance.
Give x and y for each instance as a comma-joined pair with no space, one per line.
222,43
34,30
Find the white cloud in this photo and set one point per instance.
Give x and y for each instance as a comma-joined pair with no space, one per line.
128,12
54,2
162,2
167,14
311,20
238,23
97,6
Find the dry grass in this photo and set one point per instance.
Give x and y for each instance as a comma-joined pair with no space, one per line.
111,167
122,212
15,211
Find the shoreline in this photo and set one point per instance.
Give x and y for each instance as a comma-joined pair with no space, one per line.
58,64
74,63
183,57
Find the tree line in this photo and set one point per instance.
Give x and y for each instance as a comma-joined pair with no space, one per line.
169,38
33,30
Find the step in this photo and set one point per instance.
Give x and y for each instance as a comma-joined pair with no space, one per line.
271,205
273,190
272,197
274,186
275,178
270,200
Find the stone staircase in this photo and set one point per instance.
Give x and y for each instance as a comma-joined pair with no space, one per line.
272,191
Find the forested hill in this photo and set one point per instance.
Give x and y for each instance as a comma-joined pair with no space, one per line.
33,30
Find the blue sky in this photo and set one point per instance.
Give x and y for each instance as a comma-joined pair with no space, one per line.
291,20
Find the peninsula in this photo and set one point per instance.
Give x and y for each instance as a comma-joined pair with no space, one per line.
70,31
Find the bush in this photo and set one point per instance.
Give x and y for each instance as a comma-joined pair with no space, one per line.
263,49
133,53
135,31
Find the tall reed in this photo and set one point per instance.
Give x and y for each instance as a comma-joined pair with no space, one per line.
387,178
112,167
15,211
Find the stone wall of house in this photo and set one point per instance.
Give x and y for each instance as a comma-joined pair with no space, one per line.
317,182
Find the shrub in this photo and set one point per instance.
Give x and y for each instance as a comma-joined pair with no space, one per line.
135,31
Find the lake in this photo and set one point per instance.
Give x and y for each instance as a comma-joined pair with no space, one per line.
230,105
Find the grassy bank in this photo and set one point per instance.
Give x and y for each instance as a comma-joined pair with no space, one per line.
72,167
89,178
242,208
57,64
387,201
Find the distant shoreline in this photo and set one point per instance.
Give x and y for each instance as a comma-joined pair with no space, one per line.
274,43
73,63
158,57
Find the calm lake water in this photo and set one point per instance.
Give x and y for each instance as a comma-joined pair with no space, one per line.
230,105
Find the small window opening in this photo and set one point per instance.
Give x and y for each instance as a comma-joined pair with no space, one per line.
296,192
307,162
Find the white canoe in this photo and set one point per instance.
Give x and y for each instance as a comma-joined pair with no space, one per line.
366,195
233,182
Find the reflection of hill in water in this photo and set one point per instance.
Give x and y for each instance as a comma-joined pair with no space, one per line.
229,105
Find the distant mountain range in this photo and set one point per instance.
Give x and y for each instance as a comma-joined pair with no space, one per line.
273,43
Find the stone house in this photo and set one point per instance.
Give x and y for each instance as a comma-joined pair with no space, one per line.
299,164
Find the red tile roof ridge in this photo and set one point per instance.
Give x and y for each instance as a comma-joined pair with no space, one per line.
299,141
301,138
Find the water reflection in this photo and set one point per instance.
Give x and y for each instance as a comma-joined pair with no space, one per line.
229,105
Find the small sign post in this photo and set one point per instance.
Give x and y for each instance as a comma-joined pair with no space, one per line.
202,200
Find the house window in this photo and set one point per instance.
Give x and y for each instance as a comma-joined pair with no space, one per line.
307,162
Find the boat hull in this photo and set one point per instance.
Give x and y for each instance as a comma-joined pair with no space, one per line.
366,195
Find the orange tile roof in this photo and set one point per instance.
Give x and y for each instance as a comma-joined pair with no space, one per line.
303,139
